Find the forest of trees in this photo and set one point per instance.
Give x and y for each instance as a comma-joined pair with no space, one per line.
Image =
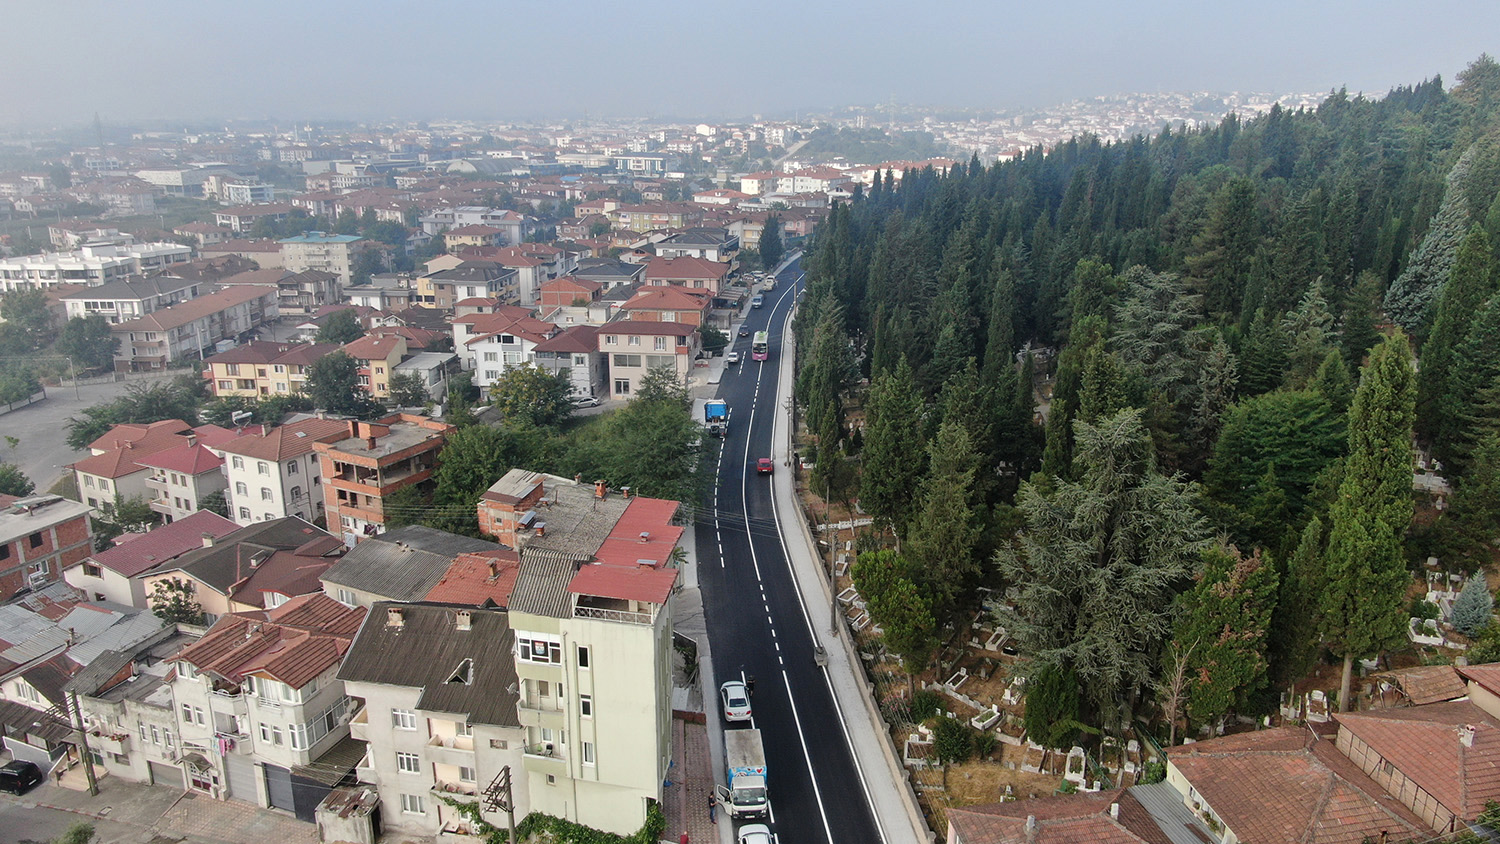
1164,394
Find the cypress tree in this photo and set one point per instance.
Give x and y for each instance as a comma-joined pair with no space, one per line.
1224,619
1294,625
1469,285
1474,371
1362,605
894,454
944,535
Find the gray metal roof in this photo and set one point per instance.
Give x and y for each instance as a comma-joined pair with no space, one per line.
403,564
464,672
1164,804
129,633
542,583
134,288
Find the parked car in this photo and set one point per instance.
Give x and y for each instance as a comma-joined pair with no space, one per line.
19,777
585,401
756,833
765,466
736,701
744,331
732,358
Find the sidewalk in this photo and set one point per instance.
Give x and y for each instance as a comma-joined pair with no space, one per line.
135,812
697,749
890,795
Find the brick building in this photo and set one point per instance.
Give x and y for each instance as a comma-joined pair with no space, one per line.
39,537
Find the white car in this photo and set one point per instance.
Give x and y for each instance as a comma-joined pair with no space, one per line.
732,358
585,401
756,833
736,701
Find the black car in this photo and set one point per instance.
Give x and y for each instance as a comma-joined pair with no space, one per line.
744,332
19,777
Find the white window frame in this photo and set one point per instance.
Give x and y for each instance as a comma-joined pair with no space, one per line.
411,804
408,763
403,719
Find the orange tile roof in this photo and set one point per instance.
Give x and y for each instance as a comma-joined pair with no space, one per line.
287,441
478,578
184,313
1059,820
293,643
1424,744
373,347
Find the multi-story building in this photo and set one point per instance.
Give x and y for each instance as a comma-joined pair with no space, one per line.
436,692
373,461
263,368
252,568
696,273
276,473
191,330
127,298
634,348
91,265
378,357
330,253
515,226
114,469
592,620
40,536
242,218
114,573
573,353
489,344
265,253
296,293
476,235
469,280
659,215
690,305
706,243
258,697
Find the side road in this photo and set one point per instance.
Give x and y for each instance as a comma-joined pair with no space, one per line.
887,789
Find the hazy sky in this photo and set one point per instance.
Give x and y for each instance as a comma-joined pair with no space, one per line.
309,59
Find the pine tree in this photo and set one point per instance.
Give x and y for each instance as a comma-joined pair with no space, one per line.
1217,380
1475,370
1309,331
944,533
1473,520
1413,291
1333,383
1219,258
1294,641
1362,604
894,454
1469,286
1357,334
1225,618
1474,606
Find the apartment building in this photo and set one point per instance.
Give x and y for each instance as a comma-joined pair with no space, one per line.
377,356
258,700
696,273
330,253
435,691
263,368
296,293
591,615
265,253
276,473
634,348
192,330
710,244
469,280
241,219
180,477
40,536
258,567
371,462
689,305
114,574
496,343
573,354
515,227
127,298
475,235
90,265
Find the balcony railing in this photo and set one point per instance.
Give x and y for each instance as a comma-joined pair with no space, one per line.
545,750
452,742
456,790
602,614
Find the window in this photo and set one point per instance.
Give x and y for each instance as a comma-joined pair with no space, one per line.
237,462
465,774
291,467
634,340
583,656
268,517
166,736
265,494
280,368
659,344
298,734
408,763
193,715
539,650
346,597
585,706
411,804
622,386
245,514
403,719
270,734
580,360
104,485
88,481
155,735
610,340
463,729
543,688
588,752
498,744
296,493
627,360
491,357
142,729
92,570
240,488
262,468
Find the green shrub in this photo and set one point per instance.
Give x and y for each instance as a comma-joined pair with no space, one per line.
924,705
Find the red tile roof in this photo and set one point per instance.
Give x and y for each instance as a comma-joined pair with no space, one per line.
575,339
638,583
649,327
373,347
127,444
293,643
478,578
1428,683
1286,785
133,432
192,459
1059,820
181,314
650,516
669,299
163,543
1487,676
686,267
1427,744
287,441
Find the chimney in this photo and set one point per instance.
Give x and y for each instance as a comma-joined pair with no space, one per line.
395,617
600,489
494,570
464,620
208,540
645,536
1114,810
370,442
625,491
1466,735
541,529
578,478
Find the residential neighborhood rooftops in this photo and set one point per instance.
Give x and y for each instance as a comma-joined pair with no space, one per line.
1107,817
132,288
478,578
575,339
181,314
1451,750
190,459
372,347
284,556
163,543
292,643
626,583
287,441
403,564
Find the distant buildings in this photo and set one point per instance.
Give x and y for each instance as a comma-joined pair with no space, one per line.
90,265
330,253
193,329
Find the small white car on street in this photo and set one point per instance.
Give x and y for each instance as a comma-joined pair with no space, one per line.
732,358
736,701
756,833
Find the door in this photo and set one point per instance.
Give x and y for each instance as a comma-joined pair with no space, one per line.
241,774
279,787
167,775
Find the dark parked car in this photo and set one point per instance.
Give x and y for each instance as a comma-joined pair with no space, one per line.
744,332
19,777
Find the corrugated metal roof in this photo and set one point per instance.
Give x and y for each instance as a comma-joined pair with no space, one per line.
1164,804
125,634
542,585
403,564
427,651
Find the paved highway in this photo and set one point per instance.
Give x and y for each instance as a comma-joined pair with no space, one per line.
755,617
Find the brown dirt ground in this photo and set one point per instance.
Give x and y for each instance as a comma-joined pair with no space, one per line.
977,783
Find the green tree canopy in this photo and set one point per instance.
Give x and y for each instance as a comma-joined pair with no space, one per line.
333,385
408,389
173,601
1224,621
340,327
89,342
14,482
533,395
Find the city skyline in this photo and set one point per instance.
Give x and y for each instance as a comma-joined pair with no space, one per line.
663,59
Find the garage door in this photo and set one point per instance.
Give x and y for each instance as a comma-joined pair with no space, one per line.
167,775
279,785
241,773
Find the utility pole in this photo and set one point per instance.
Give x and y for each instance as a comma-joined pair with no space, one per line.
499,798
83,742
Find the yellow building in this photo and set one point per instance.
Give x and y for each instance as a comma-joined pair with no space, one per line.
377,356
261,368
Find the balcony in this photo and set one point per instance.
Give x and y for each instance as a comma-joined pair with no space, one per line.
458,831
550,703
365,770
617,611
117,743
545,759
451,750
227,704
161,505
461,792
156,481
359,725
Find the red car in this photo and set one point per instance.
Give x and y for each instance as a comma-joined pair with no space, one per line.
764,466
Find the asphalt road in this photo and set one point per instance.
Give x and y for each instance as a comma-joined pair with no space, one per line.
42,429
756,623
